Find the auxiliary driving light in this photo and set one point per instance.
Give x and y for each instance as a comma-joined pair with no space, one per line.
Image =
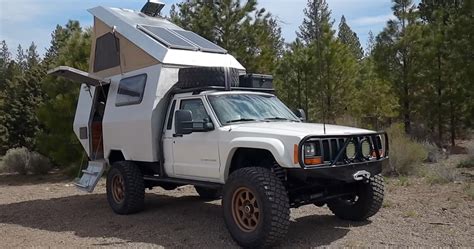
365,147
351,151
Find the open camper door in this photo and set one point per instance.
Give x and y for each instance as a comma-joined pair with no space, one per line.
90,109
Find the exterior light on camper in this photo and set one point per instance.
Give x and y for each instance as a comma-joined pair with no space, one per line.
152,8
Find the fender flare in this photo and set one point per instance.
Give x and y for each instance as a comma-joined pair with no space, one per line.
274,146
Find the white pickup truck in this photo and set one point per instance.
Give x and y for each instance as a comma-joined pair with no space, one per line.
162,106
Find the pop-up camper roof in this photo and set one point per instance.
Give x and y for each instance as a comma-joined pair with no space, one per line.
144,41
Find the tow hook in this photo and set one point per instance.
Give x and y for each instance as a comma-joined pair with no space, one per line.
361,175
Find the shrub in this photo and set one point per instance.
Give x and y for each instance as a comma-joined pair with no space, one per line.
441,173
38,164
406,155
16,160
434,153
468,163
22,161
469,190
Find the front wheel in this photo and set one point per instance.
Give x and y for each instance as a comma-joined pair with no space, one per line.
256,207
365,203
125,188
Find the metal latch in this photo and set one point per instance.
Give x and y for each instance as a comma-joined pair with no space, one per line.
361,175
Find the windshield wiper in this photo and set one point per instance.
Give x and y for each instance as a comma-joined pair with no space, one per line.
278,118
240,120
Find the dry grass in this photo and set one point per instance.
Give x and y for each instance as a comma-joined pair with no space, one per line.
406,155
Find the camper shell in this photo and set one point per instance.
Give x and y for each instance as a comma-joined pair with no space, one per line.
163,106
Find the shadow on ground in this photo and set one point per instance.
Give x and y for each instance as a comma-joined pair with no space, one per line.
167,221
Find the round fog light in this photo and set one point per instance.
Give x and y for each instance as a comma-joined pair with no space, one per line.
365,147
351,150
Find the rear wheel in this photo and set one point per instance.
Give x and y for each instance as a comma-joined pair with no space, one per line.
365,203
125,188
208,193
256,207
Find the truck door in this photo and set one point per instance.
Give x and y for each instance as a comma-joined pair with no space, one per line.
196,155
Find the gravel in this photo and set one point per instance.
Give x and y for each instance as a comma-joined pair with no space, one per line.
50,212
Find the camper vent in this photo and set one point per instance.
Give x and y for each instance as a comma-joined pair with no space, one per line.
181,39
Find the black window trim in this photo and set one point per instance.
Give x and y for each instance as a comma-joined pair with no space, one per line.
139,101
169,125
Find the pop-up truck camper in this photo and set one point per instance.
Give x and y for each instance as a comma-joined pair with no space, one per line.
163,106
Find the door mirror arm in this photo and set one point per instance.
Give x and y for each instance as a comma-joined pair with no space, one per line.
301,114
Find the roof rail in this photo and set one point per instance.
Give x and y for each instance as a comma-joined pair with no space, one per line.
197,90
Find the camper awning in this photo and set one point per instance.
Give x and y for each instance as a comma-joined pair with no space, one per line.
78,76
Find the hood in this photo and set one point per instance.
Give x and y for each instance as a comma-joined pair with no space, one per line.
297,129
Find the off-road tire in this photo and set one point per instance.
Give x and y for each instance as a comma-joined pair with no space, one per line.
134,188
208,193
370,197
273,202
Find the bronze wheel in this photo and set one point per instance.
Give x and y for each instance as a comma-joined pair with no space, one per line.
245,209
125,188
118,189
256,207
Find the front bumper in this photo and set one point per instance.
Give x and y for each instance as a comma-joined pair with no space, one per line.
336,165
344,173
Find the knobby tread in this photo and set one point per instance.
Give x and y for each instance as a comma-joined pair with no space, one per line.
134,188
277,218
370,201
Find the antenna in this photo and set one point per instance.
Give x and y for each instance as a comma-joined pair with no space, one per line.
324,114
152,8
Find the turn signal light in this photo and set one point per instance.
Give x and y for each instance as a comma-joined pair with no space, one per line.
295,154
375,155
313,160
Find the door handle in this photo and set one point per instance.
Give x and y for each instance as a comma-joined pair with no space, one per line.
177,135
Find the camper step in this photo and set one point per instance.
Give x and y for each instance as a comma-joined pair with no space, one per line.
90,176
89,172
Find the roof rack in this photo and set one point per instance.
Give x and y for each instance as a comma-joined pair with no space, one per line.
197,90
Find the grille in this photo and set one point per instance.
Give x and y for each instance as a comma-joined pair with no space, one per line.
329,147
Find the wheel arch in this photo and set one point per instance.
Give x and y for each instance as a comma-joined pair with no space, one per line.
244,148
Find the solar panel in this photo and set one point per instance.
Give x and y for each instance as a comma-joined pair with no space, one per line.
167,37
200,41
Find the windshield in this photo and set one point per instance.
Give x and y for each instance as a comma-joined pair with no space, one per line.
231,108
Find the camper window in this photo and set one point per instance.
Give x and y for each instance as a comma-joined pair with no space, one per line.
130,91
106,52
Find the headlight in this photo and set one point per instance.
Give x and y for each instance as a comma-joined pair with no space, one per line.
309,149
365,148
351,150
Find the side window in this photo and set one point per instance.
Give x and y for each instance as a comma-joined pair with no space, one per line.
170,116
106,52
130,91
197,108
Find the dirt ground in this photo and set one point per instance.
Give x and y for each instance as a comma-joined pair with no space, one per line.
50,212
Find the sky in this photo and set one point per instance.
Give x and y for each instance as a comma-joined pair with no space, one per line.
24,21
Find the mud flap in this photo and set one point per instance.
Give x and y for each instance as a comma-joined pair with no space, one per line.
91,176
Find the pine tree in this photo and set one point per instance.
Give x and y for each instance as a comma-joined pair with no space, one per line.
250,34
71,47
350,39
395,55
317,16
22,96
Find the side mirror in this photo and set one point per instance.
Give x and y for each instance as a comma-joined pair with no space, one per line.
183,123
301,114
208,125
